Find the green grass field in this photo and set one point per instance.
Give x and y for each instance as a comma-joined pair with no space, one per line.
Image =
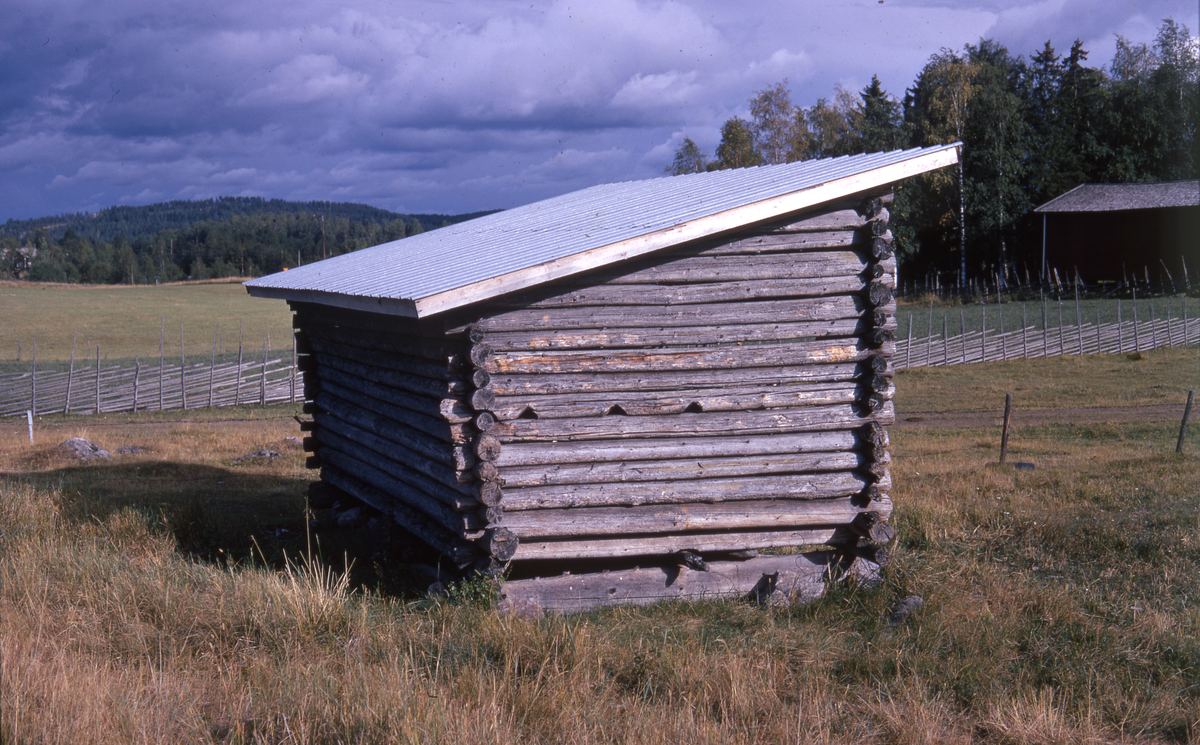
125,321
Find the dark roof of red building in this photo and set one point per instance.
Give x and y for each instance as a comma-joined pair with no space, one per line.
1114,197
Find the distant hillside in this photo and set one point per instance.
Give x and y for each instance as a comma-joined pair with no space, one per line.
213,238
149,220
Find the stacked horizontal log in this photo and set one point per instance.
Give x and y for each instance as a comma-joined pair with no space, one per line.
395,407
724,397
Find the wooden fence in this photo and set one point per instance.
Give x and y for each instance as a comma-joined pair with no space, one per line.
1029,342
149,388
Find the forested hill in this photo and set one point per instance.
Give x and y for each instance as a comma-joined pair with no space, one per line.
224,237
148,220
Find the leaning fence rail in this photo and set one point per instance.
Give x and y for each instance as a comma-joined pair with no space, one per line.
115,388
1030,342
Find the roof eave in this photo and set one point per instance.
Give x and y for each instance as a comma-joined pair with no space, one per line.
385,305
703,227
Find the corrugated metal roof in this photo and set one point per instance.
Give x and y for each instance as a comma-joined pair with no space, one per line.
506,251
1114,197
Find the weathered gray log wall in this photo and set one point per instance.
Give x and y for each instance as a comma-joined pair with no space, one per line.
724,397
719,398
394,402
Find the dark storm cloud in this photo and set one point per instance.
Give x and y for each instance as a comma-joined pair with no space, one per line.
443,106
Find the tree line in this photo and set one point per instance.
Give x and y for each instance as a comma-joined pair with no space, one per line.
203,239
1031,130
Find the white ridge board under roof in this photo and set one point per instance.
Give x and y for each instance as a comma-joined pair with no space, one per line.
484,258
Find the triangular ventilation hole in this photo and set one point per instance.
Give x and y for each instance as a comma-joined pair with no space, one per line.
615,409
694,408
527,413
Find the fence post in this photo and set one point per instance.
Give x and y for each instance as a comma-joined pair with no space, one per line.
1045,329
33,381
1137,337
137,372
945,343
908,350
1004,436
212,366
70,374
1078,314
182,373
237,391
962,324
929,338
1003,341
1024,332
262,382
162,325
1120,330
1062,342
1187,412
97,377
983,336
292,399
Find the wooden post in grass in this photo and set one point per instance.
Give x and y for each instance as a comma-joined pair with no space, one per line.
983,336
262,382
182,381
137,373
1062,343
292,399
1187,412
1004,435
162,325
929,338
1024,334
212,366
70,374
237,394
1120,330
1078,314
945,343
33,381
1045,330
1137,339
962,324
97,377
908,352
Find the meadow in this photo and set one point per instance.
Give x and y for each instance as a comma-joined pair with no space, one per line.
151,599
126,320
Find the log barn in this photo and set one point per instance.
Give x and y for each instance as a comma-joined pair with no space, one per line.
1115,233
632,392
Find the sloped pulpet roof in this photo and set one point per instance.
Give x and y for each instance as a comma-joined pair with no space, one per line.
507,251
1113,197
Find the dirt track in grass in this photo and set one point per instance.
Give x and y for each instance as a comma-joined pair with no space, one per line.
1033,417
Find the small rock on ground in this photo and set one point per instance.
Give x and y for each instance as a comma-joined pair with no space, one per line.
85,449
263,454
904,609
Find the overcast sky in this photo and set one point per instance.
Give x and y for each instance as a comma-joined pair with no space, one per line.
446,106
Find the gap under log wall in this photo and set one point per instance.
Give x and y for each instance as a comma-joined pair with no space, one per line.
704,403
